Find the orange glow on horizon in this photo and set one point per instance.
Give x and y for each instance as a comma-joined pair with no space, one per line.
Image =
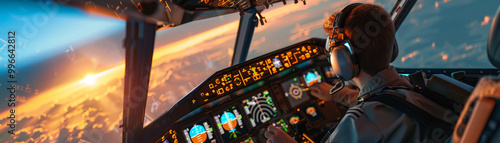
90,79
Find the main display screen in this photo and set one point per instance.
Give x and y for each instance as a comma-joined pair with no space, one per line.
230,124
260,108
295,91
311,77
200,132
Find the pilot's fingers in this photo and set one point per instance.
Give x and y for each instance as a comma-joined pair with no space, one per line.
314,93
273,129
314,87
269,141
325,85
268,134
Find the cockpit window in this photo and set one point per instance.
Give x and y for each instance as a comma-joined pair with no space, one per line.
292,23
446,34
186,56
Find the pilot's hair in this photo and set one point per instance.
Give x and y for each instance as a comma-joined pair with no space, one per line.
371,31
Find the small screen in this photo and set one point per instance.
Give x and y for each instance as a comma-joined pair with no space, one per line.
311,113
311,77
230,124
277,63
294,119
200,132
295,91
329,72
260,108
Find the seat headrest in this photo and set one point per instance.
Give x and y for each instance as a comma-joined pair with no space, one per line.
494,41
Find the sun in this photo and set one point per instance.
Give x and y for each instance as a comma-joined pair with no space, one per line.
90,79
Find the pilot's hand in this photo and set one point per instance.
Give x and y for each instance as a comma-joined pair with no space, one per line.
276,135
322,91
347,96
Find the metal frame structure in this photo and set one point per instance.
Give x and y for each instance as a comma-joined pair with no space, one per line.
248,21
139,45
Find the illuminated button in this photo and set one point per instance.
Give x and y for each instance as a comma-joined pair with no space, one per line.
211,85
315,51
193,101
217,81
220,91
227,88
308,55
237,80
287,65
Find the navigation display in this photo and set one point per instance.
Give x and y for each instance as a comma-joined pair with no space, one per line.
230,124
295,91
200,132
260,108
246,74
311,77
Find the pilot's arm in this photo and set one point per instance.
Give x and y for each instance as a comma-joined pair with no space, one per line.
347,96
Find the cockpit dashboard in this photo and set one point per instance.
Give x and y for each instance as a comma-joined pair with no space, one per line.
238,103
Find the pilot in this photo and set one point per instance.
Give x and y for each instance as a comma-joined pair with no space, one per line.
371,33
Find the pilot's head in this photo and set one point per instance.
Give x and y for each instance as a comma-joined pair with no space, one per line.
361,39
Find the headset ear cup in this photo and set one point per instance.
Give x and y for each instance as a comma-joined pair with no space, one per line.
395,51
342,63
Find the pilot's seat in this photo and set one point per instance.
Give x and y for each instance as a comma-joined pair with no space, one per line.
480,119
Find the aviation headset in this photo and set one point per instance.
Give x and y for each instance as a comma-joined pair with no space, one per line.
340,48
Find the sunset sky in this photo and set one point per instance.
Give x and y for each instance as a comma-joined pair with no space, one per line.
70,64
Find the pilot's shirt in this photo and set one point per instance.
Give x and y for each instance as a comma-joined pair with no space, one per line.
375,122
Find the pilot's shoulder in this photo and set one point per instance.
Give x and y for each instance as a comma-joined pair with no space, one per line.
355,112
364,109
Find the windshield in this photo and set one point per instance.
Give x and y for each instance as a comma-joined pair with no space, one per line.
295,23
446,34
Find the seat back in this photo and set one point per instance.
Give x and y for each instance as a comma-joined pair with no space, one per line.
480,119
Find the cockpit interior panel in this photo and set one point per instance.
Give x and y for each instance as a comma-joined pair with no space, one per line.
237,104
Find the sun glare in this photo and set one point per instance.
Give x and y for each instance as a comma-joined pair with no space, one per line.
90,79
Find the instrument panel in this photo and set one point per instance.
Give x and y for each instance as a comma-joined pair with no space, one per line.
255,71
272,89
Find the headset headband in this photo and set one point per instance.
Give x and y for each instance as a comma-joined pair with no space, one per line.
340,18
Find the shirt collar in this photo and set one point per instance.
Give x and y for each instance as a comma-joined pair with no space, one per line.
378,82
